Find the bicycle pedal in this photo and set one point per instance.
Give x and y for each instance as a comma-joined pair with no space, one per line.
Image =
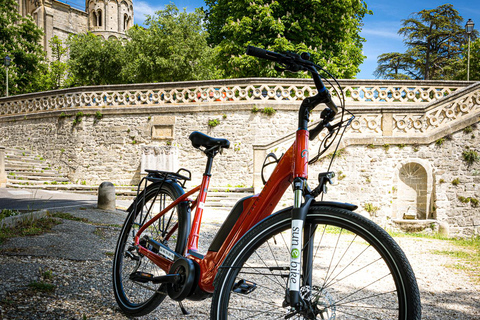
244,287
142,277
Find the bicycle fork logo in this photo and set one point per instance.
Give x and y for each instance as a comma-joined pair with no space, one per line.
297,226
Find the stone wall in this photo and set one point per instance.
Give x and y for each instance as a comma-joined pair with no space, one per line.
398,160
373,177
111,148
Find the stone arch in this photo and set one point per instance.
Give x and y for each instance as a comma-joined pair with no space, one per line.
414,189
94,19
99,17
125,21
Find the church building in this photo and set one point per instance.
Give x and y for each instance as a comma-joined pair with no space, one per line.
106,18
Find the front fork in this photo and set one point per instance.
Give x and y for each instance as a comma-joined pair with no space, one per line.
299,214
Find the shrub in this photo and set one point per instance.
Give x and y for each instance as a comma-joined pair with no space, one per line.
470,156
370,208
213,123
269,111
439,142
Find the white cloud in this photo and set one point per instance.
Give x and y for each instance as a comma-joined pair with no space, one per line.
379,33
142,8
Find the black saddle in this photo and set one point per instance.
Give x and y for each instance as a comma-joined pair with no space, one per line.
202,140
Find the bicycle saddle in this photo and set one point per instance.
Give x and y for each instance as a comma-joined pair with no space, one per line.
202,140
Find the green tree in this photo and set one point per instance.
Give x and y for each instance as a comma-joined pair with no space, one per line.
94,60
20,39
58,69
328,30
392,66
433,39
461,65
173,47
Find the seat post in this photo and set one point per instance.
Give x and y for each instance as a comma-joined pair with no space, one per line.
208,168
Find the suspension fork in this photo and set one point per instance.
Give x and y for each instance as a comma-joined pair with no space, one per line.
299,214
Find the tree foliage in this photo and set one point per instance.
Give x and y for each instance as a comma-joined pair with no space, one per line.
461,65
58,69
95,61
434,40
20,40
392,66
173,47
328,30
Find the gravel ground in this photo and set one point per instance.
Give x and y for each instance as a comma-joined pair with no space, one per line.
76,258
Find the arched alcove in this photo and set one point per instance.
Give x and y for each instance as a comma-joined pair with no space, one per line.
414,187
412,190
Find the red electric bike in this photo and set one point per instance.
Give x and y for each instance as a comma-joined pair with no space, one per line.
314,260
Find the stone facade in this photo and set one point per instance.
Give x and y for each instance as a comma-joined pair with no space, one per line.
400,159
106,18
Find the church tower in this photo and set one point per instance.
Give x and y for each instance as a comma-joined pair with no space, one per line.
109,18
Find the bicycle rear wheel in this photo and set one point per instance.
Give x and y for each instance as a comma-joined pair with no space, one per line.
358,272
133,297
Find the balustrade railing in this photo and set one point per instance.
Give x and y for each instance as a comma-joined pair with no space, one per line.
254,90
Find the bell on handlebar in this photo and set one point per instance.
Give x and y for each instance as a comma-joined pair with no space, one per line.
305,56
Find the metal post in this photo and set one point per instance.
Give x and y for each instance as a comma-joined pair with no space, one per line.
6,62
469,29
468,59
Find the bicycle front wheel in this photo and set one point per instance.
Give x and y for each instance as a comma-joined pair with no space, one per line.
357,271
137,298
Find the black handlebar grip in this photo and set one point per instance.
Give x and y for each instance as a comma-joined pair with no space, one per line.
257,52
264,54
332,106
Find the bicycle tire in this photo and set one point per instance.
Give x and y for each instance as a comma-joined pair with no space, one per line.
134,298
376,282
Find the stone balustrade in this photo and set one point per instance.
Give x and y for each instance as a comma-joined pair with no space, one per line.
264,90
401,153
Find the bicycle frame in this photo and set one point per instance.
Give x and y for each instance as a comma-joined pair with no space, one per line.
293,164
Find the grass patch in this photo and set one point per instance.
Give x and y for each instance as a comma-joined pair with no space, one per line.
468,254
41,286
8,213
28,228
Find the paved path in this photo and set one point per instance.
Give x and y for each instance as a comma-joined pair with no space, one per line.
27,199
78,257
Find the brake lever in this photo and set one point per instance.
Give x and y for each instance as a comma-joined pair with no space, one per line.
323,178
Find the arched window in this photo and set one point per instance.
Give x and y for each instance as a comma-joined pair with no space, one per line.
99,18
125,22
94,19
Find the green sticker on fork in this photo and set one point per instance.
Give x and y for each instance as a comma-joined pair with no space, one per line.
295,253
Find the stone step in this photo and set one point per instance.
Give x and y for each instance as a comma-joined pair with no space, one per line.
65,187
52,181
45,177
26,167
17,151
21,160
45,173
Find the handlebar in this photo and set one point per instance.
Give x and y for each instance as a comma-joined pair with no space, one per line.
294,62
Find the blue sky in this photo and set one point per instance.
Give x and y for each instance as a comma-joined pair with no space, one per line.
379,30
